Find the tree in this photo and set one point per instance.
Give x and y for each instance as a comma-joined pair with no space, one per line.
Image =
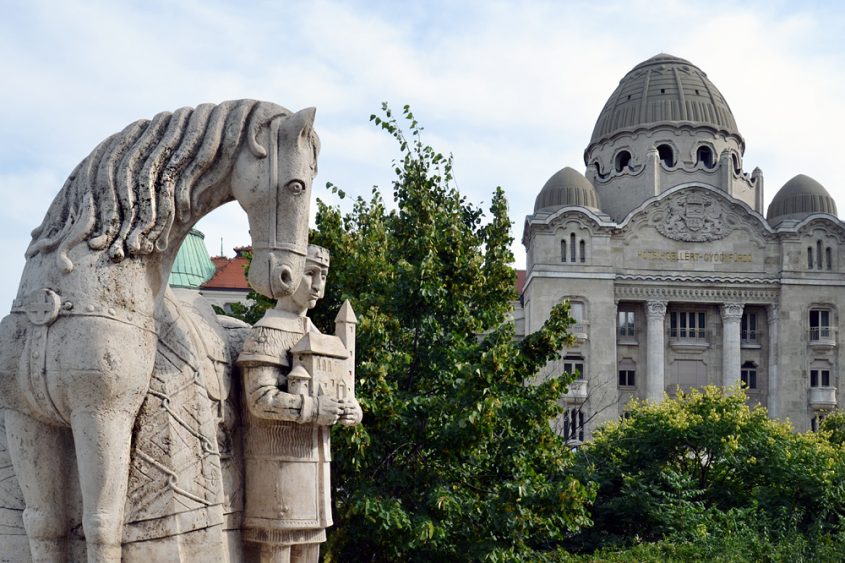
833,427
704,467
456,459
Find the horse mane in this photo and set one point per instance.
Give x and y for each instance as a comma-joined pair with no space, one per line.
126,194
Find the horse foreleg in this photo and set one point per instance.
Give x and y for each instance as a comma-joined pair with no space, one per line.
38,453
102,443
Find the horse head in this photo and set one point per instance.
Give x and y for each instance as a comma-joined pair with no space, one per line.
273,185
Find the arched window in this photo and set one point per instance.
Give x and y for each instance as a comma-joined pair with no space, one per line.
705,156
818,254
563,250
810,257
828,258
573,424
622,160
582,250
735,160
572,247
666,155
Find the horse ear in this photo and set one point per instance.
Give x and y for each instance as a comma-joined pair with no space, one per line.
302,122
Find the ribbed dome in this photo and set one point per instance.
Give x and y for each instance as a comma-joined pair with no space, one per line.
664,88
192,266
799,197
566,187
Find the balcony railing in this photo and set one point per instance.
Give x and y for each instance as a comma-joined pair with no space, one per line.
822,397
577,391
822,336
626,335
580,330
689,337
749,336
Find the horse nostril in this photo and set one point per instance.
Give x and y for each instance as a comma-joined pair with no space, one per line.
286,276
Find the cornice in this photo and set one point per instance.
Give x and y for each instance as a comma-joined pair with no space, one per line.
697,294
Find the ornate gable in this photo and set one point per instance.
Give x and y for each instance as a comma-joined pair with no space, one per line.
698,214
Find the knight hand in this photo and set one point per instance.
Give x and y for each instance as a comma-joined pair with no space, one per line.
352,413
328,411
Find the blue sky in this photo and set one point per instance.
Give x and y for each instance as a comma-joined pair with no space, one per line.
511,89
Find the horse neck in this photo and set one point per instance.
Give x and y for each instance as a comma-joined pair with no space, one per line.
211,199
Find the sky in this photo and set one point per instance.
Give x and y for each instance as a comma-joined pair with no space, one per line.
512,89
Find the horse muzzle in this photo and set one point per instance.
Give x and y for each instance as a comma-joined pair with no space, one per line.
276,273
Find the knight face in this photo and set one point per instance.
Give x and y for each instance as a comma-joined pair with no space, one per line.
312,288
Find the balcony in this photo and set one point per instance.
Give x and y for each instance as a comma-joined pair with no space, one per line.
577,392
689,338
821,336
822,397
580,330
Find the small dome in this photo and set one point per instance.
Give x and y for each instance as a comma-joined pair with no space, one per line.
192,266
799,197
660,89
566,187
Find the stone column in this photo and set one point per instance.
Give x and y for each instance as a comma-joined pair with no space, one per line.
731,316
773,402
655,383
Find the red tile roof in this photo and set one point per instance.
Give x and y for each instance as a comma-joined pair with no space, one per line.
520,281
230,273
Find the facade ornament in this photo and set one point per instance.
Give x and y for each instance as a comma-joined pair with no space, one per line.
732,311
656,309
693,217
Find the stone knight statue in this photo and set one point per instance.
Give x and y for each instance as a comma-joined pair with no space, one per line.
297,383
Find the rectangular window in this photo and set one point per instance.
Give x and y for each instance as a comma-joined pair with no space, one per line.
686,324
819,324
748,375
627,378
819,378
625,323
574,364
748,327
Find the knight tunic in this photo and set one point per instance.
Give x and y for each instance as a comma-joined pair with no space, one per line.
286,454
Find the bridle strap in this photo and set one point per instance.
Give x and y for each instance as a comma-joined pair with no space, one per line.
274,181
292,248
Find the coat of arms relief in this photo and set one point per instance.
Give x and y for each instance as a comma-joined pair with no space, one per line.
692,217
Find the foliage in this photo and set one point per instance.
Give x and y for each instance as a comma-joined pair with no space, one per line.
704,467
456,459
833,427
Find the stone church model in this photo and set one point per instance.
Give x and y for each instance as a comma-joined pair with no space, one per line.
677,275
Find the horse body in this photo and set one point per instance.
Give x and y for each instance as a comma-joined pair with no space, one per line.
79,346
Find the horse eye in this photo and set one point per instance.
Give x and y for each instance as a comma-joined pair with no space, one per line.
296,186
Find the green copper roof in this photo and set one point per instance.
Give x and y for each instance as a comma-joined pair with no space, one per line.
192,266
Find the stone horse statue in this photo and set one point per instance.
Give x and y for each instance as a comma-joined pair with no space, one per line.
78,349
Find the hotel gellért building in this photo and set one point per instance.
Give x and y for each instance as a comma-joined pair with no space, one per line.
677,275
